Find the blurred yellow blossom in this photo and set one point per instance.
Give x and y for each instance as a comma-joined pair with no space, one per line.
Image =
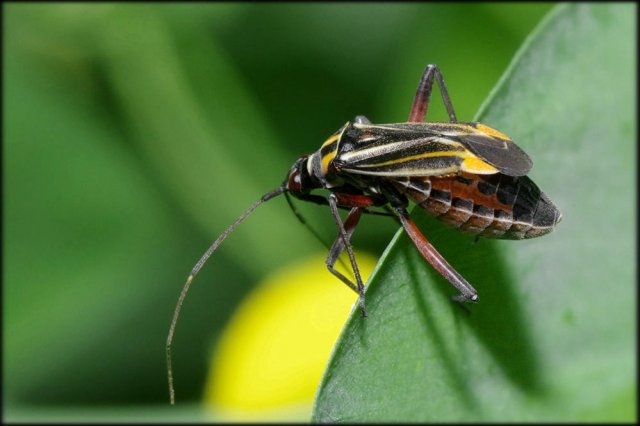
270,358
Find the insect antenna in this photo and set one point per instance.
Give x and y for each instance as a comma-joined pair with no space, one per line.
194,272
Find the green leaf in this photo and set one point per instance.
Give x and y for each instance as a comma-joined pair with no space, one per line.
552,338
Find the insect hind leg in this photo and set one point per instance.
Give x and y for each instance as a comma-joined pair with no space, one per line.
423,94
431,255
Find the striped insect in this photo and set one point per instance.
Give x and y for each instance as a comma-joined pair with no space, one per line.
468,175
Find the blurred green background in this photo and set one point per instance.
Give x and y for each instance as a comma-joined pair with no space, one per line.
135,133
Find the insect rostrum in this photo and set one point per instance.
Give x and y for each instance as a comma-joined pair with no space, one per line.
468,175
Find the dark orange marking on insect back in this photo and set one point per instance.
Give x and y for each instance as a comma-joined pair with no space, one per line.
470,191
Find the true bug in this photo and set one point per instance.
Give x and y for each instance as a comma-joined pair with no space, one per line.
469,175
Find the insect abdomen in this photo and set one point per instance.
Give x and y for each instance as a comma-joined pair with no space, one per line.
494,206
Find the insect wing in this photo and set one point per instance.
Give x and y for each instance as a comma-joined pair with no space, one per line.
406,149
495,148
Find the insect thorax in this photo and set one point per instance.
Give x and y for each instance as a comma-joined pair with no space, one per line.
320,162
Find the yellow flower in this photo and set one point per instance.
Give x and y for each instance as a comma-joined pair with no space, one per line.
270,358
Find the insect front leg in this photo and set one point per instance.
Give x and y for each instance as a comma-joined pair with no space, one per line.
431,255
338,246
423,94
345,231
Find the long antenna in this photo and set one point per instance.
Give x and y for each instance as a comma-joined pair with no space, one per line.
194,272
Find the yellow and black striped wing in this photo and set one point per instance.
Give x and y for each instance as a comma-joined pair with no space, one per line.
405,149
428,149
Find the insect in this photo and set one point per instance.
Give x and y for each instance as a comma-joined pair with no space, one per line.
470,176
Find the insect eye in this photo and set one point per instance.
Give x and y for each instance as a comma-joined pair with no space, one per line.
295,181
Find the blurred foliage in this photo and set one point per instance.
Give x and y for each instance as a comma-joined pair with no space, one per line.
553,337
135,133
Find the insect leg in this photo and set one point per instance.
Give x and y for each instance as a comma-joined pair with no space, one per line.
345,201
423,94
338,246
336,249
431,255
354,215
